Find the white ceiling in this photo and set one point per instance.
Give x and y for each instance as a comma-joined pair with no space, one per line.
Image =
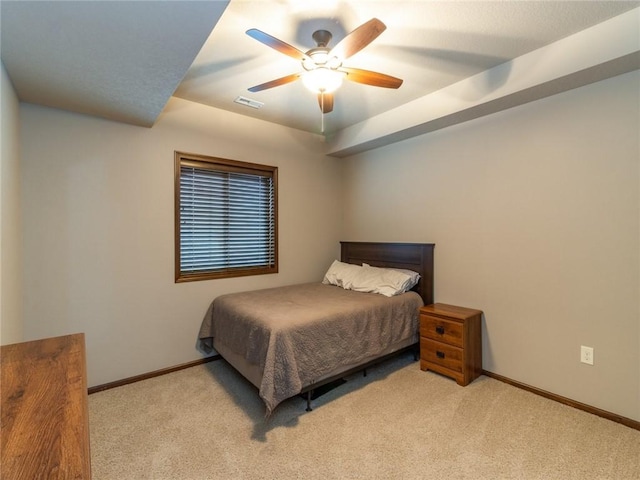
123,60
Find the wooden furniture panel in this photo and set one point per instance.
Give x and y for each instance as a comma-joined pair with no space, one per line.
442,330
447,356
44,418
450,341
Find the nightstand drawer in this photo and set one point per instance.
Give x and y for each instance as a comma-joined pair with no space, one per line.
447,356
442,330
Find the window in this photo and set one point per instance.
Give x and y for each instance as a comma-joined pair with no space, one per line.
226,218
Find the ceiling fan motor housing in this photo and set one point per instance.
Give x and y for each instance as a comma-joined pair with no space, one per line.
320,55
322,37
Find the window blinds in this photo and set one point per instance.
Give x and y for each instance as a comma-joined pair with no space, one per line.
227,219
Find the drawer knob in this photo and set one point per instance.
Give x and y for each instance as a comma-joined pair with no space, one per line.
439,354
440,330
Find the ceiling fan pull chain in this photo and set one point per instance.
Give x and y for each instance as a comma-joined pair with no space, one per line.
322,111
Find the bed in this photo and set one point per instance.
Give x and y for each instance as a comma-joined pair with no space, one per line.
295,339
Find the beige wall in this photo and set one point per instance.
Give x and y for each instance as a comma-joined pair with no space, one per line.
99,231
535,215
10,224
535,212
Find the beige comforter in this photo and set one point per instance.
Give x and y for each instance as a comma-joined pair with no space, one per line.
300,333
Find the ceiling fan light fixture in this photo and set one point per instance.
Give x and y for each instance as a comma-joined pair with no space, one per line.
320,57
323,80
322,67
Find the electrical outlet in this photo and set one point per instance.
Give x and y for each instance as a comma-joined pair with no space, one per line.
586,355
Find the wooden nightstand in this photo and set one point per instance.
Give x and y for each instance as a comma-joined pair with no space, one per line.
450,341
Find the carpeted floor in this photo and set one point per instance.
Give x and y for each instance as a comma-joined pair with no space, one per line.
207,422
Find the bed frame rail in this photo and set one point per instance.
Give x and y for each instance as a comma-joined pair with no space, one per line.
307,392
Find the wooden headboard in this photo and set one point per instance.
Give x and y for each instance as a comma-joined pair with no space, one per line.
412,256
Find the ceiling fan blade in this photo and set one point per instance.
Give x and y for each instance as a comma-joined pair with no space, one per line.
277,44
358,39
325,100
275,83
371,78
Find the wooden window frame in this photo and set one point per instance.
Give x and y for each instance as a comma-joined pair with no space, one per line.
229,166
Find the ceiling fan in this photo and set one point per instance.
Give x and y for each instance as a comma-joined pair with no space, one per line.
322,69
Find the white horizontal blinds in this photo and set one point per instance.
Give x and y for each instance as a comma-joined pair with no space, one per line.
227,219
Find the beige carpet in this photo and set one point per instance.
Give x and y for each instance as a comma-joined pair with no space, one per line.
207,422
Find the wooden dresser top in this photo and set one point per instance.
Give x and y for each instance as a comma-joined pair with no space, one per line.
452,311
44,414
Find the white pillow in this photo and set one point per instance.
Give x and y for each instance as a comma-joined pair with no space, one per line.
412,281
380,280
385,281
341,274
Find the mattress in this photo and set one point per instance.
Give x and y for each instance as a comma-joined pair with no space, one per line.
286,338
